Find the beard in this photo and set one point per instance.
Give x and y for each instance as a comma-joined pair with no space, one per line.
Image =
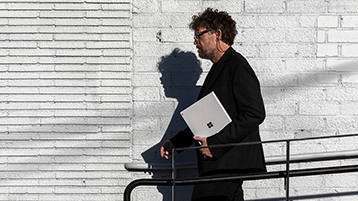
206,54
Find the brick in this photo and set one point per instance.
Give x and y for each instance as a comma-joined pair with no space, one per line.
30,37
260,6
341,124
328,21
154,108
272,51
146,6
120,6
248,50
76,6
168,36
349,21
151,49
273,123
278,79
319,108
31,52
350,78
342,36
349,108
28,22
145,34
146,124
342,94
77,37
62,14
61,29
307,21
18,44
327,49
107,14
155,20
19,60
105,45
300,6
306,50
305,123
272,93
180,6
267,65
230,6
300,35
346,6
83,53
342,64
349,50
119,30
328,78
303,94
106,1
307,65
280,21
263,35
116,52
146,94
115,37
146,138
61,45
18,14
30,6
116,22
148,79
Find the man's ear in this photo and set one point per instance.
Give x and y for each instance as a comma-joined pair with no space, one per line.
218,34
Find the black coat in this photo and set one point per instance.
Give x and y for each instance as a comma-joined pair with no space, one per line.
238,89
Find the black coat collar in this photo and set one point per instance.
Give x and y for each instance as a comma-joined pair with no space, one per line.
218,68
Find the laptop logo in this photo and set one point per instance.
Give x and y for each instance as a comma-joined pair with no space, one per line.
210,124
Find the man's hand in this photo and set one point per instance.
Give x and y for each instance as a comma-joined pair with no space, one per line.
205,151
166,149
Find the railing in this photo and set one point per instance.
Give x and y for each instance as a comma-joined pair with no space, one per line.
286,174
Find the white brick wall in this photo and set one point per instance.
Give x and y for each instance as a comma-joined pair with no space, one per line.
65,99
304,53
81,94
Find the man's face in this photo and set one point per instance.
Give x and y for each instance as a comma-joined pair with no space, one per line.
205,43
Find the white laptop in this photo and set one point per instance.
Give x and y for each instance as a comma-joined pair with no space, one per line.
206,117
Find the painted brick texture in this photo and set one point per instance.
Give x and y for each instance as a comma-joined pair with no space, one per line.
65,99
304,53
88,85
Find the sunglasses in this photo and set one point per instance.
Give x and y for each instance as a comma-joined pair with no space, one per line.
197,36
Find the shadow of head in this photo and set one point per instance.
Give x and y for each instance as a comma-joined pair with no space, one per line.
180,71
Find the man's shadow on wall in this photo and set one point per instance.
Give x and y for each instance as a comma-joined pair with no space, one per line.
180,72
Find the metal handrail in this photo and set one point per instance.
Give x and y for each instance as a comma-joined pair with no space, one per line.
267,175
257,176
271,160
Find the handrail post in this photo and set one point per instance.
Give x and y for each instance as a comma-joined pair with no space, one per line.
173,174
287,179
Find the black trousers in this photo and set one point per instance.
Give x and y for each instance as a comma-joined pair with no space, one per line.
218,191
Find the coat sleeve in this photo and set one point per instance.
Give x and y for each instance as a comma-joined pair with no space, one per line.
249,110
183,138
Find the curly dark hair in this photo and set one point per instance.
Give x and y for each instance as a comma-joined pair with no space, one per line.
214,20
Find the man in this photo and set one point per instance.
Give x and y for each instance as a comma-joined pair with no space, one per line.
237,87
